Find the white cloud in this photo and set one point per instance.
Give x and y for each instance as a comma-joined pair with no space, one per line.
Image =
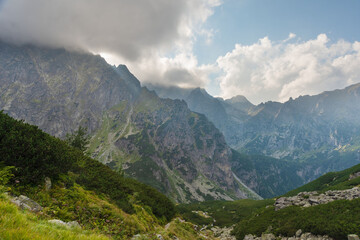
276,71
154,37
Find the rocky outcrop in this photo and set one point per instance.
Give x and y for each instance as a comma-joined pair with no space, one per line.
26,203
298,236
223,233
354,175
308,199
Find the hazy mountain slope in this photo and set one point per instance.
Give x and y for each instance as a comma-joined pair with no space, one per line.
316,133
329,120
160,142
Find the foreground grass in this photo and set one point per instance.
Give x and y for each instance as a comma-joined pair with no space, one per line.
18,224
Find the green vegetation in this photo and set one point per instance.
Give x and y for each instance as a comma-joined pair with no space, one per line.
83,189
17,224
330,181
225,213
336,219
79,139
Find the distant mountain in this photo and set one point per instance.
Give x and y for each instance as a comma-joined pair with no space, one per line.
157,141
314,134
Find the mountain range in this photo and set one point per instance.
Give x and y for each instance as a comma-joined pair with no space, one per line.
307,136
157,141
184,142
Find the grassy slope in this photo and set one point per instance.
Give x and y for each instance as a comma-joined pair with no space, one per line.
336,219
330,181
17,224
83,190
109,200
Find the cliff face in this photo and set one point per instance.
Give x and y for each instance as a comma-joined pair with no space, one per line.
158,141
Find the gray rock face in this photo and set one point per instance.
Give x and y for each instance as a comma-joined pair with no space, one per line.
308,199
26,203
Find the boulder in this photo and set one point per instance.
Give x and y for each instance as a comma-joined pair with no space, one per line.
26,203
268,236
298,233
249,237
353,237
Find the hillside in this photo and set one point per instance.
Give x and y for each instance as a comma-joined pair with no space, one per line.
157,141
332,209
73,187
327,206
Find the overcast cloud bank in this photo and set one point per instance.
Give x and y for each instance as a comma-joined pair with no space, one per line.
155,38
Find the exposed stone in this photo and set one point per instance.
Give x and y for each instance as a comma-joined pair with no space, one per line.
159,236
72,224
47,184
249,237
354,175
58,222
268,236
308,199
26,203
298,236
223,233
353,237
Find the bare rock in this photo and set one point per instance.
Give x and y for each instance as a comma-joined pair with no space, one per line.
249,237
268,236
159,236
354,175
353,237
26,203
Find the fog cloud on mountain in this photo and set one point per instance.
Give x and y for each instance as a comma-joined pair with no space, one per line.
138,33
156,38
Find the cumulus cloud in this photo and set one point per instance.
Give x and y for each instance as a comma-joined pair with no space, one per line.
132,32
270,70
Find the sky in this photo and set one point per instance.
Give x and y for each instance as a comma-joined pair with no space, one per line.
262,49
